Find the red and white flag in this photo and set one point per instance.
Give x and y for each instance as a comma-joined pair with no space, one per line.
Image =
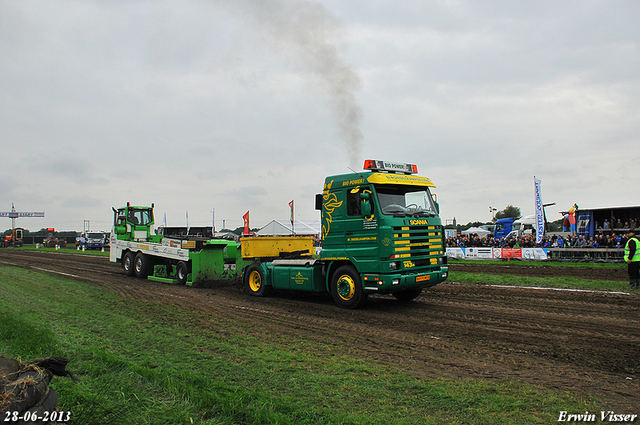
245,218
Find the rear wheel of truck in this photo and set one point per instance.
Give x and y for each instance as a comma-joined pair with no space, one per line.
142,265
346,288
408,294
182,272
254,281
127,263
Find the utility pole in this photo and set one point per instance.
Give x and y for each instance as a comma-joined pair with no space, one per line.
493,210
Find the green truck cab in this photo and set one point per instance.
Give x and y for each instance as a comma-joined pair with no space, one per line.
133,223
381,233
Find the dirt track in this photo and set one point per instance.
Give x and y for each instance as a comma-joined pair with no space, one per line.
584,342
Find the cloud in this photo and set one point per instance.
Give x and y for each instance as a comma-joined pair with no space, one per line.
245,105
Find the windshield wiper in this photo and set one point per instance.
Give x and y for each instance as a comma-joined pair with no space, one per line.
424,213
395,210
420,211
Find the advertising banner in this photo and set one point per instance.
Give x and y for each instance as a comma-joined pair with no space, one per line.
511,253
478,253
481,253
539,210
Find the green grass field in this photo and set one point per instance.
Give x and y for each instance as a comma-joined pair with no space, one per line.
149,363
547,282
565,282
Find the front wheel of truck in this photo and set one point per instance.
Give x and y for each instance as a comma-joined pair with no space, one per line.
346,288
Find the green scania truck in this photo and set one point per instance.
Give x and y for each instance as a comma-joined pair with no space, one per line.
381,234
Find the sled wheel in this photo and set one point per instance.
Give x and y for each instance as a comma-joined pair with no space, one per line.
182,272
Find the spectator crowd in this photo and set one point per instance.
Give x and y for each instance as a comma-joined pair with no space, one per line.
611,234
613,240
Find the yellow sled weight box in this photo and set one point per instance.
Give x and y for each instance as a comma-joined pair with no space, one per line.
261,247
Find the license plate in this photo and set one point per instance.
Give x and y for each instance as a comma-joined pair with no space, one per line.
423,278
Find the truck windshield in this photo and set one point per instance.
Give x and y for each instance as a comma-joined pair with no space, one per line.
140,217
402,201
95,235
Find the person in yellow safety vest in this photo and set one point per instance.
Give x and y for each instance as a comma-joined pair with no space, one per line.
632,257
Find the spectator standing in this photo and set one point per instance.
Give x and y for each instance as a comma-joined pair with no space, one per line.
632,257
581,242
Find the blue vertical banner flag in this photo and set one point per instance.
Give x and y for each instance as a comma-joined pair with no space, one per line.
539,211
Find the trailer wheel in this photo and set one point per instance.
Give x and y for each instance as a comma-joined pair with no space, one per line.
254,281
127,263
346,288
408,294
182,272
142,265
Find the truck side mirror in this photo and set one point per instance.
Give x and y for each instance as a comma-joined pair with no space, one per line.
318,201
365,204
435,201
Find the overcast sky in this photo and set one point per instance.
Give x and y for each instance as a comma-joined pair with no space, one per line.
244,105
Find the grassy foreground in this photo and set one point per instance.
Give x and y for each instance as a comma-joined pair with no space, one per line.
149,363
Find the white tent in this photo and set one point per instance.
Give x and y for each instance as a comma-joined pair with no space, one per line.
476,231
283,228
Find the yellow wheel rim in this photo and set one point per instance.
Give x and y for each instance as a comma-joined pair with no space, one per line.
255,283
346,287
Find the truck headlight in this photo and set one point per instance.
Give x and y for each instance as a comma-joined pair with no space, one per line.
394,265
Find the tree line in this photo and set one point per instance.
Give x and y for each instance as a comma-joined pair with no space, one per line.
510,211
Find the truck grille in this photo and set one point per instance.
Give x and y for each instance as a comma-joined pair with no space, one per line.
420,244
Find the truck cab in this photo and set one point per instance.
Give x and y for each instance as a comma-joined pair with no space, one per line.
525,225
381,233
503,228
92,240
134,224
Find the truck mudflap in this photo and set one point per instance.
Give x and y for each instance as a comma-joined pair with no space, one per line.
390,283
